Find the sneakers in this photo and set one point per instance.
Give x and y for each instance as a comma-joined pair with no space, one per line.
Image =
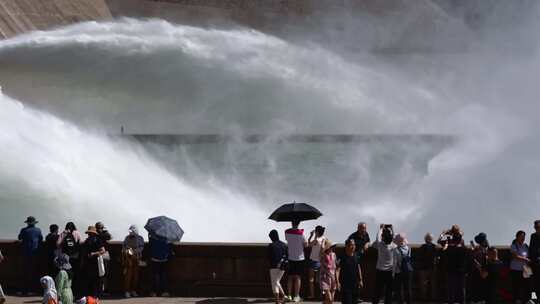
287,298
153,294
127,295
134,294
297,299
165,295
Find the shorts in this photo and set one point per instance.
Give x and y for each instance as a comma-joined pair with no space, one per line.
296,268
314,265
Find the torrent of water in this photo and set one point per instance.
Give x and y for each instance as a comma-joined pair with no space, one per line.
77,85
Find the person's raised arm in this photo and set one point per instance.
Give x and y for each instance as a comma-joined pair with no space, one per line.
311,240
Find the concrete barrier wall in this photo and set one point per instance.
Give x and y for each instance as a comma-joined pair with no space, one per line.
20,16
205,269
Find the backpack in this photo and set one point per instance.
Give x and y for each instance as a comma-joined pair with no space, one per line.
70,245
406,262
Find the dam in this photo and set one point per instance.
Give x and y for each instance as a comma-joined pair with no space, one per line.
376,111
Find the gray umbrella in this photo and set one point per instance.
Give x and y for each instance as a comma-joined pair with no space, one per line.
165,227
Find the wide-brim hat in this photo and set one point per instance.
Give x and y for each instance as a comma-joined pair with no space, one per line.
328,244
480,238
91,230
31,220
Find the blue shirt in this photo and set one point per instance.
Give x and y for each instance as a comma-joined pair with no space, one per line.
31,239
522,251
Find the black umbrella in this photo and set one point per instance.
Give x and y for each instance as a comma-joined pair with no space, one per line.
164,227
295,212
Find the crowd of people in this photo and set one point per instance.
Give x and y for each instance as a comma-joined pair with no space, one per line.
77,268
477,263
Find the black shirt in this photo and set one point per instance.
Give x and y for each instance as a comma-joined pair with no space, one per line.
360,241
50,243
277,251
427,256
494,273
456,259
348,274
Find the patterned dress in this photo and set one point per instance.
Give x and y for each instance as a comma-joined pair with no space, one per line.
328,272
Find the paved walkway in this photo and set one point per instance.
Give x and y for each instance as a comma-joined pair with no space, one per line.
22,300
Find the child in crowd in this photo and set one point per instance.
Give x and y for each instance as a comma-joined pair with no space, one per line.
49,291
64,279
491,273
328,279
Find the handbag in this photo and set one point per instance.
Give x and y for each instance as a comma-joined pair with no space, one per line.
101,266
527,271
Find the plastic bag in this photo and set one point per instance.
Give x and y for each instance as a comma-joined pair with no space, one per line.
101,266
527,271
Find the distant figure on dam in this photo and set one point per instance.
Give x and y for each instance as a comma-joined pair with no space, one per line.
31,239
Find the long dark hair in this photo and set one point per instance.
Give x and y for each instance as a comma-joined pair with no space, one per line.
521,232
71,226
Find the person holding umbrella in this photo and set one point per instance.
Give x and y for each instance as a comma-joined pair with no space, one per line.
296,241
162,232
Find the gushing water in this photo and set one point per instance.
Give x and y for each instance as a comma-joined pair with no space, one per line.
156,77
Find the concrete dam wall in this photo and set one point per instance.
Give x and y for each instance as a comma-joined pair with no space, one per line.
20,16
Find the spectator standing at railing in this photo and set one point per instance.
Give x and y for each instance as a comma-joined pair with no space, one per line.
456,257
132,250
403,269
31,239
361,239
492,273
349,274
161,251
70,243
384,280
277,254
518,268
534,256
93,248
479,259
296,243
428,257
51,249
316,240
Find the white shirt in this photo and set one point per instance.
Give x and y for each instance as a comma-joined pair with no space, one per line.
295,243
316,249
